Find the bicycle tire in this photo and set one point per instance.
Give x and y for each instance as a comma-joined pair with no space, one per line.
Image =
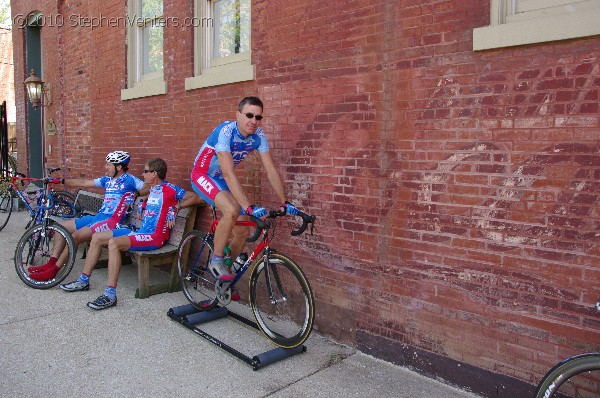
286,318
35,248
566,379
64,205
6,206
197,282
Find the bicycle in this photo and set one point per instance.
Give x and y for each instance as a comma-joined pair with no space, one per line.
577,376
63,201
35,246
279,293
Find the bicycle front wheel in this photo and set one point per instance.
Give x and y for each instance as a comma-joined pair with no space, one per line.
197,282
578,376
281,300
35,248
6,206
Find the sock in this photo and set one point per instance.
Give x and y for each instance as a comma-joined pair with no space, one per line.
84,279
216,259
52,260
111,292
46,275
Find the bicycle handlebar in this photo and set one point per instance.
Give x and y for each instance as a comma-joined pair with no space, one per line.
55,180
262,225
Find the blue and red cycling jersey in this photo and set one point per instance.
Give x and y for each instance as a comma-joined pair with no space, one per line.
207,176
154,231
160,199
118,193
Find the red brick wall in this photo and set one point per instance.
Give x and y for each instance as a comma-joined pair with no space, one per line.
456,192
7,88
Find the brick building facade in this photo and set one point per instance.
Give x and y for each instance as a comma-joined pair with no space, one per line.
7,89
456,190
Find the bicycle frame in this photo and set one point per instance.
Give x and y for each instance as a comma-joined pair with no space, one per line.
263,244
45,201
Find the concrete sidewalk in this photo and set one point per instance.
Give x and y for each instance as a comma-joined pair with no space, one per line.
52,345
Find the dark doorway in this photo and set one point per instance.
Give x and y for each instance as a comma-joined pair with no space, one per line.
33,45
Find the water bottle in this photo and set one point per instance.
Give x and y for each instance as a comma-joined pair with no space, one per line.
239,262
227,256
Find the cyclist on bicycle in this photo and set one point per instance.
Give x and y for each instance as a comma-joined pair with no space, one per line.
120,188
160,210
213,178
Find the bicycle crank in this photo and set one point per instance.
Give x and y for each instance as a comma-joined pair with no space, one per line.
223,293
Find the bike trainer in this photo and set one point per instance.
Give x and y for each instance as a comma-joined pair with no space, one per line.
189,316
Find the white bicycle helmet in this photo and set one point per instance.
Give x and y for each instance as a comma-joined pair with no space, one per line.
118,157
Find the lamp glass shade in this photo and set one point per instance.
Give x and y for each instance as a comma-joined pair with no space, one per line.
34,87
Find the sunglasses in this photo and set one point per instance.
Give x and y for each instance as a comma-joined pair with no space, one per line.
148,171
250,115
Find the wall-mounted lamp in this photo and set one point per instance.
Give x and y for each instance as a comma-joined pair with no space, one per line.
35,88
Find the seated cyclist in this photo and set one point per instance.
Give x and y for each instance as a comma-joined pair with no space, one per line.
120,188
214,180
160,209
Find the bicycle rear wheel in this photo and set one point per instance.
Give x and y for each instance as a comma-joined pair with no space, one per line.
578,376
64,205
6,206
281,300
35,248
197,282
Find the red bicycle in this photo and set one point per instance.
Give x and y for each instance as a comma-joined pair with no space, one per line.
279,294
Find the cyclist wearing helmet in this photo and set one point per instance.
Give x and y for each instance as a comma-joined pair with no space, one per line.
119,195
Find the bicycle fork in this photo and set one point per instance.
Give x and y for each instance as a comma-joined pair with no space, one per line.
271,268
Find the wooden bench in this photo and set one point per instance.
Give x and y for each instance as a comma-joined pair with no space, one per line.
166,255
91,202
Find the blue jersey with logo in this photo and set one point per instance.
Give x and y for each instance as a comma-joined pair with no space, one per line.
157,205
118,192
227,138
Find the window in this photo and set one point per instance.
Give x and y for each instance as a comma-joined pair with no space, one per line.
519,22
222,43
145,49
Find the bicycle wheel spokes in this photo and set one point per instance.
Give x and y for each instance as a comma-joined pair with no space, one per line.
197,282
35,248
6,206
281,300
577,377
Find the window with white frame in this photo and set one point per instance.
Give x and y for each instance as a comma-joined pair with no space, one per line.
520,22
145,49
222,43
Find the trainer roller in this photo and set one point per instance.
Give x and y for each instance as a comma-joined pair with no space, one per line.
188,316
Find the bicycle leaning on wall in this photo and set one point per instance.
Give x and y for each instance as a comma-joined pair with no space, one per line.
578,376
